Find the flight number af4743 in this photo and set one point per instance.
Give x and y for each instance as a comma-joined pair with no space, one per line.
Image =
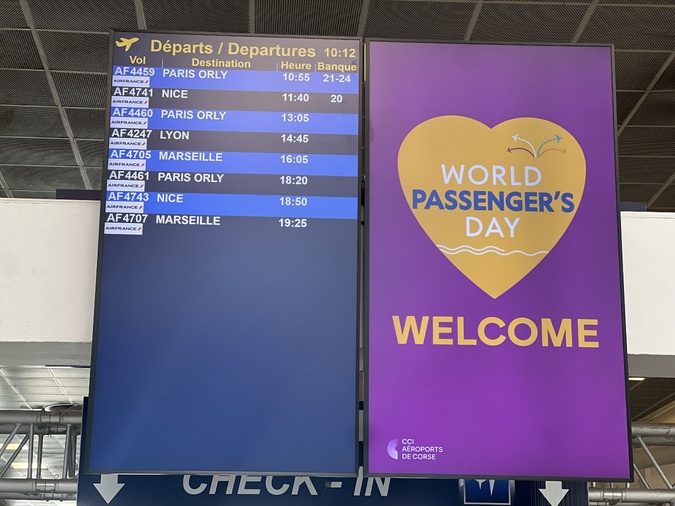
127,196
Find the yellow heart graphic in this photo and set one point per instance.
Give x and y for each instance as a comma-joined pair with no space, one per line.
495,201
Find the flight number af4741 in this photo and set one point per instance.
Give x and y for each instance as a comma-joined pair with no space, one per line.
125,91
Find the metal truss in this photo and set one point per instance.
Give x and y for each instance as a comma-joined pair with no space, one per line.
32,426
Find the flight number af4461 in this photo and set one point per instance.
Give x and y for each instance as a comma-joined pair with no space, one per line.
134,175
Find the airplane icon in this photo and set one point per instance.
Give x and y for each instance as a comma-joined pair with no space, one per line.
126,43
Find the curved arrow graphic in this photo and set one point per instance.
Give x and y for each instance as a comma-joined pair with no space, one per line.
522,149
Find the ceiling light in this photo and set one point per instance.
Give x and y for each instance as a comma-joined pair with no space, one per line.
635,378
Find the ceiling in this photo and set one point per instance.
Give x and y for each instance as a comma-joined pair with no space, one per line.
54,60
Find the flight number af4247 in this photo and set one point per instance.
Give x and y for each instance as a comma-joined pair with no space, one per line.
131,133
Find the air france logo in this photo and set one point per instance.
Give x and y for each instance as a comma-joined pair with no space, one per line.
411,451
494,201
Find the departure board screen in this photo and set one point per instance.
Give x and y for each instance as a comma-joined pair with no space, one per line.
226,315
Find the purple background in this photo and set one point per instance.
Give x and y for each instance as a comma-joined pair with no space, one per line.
505,410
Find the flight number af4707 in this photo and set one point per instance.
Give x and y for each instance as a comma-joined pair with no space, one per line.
126,218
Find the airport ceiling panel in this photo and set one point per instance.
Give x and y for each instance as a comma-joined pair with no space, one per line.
84,15
18,50
73,37
82,52
95,175
507,22
36,178
630,27
635,170
647,142
635,70
308,17
81,90
91,152
625,102
657,109
87,123
421,20
650,395
638,192
231,16
33,151
28,87
23,121
667,79
666,198
12,15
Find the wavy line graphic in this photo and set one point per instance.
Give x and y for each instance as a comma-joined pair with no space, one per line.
482,251
466,247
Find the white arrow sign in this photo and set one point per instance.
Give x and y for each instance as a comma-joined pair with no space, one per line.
109,487
554,493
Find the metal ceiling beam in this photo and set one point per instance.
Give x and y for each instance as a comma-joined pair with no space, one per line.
615,495
55,94
474,19
32,487
656,196
41,417
365,7
251,16
646,93
5,187
140,15
584,21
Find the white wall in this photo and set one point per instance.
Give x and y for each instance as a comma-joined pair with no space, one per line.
649,282
47,269
48,266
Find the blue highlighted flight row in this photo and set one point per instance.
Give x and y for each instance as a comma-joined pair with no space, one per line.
270,206
245,80
235,121
239,163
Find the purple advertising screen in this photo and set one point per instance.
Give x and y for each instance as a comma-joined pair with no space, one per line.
495,318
